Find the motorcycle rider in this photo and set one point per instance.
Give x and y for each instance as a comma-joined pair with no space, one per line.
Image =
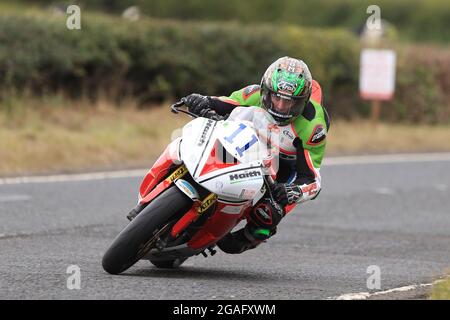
288,92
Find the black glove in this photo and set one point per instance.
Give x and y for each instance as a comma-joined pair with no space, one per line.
210,114
285,194
196,102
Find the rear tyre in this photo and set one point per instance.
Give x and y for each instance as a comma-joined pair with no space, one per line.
137,238
168,264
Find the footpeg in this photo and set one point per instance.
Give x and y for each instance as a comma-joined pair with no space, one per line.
132,214
160,244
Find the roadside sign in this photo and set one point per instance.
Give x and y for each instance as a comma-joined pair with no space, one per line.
377,74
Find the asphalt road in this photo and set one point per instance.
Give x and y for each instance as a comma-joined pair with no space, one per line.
391,215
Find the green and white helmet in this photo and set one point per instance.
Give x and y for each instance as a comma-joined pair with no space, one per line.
285,89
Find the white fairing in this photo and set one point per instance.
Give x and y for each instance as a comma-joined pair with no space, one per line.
196,136
203,145
239,183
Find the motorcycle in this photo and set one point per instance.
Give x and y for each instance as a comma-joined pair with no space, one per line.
199,189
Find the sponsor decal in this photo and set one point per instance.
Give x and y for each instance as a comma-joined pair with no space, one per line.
187,188
207,127
229,194
310,189
287,86
318,135
181,171
291,66
247,194
240,177
288,134
207,203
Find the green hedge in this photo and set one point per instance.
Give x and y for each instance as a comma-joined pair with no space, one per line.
157,60
423,20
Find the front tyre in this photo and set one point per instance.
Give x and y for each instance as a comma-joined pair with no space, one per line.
135,240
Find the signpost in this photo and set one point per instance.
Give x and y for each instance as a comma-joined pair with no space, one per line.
377,78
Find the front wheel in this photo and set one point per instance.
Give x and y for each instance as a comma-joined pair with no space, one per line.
139,236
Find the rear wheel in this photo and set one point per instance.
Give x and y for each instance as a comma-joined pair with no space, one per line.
140,235
168,264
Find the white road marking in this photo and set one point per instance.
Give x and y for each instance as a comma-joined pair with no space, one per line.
367,295
384,191
387,158
14,197
4,235
75,177
331,161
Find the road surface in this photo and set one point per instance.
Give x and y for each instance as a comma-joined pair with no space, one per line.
390,215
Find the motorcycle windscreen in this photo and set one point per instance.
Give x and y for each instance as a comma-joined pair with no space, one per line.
241,141
267,131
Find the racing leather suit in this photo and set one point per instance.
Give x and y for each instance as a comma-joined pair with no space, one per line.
302,146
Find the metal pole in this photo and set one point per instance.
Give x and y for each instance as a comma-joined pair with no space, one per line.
375,111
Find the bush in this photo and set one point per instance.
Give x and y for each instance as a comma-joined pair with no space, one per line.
423,20
157,60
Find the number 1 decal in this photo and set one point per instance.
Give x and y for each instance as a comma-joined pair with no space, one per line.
247,145
240,150
234,134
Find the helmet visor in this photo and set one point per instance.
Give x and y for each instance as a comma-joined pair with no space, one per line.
286,106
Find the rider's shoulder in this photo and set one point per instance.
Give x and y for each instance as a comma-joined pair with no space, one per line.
312,126
247,96
250,90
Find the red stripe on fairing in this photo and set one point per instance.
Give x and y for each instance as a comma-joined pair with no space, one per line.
157,171
309,162
290,207
217,226
163,185
217,164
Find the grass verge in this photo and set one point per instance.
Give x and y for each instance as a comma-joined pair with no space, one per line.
441,290
74,138
362,137
44,137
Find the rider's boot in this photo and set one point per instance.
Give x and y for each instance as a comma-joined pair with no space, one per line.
261,225
238,241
